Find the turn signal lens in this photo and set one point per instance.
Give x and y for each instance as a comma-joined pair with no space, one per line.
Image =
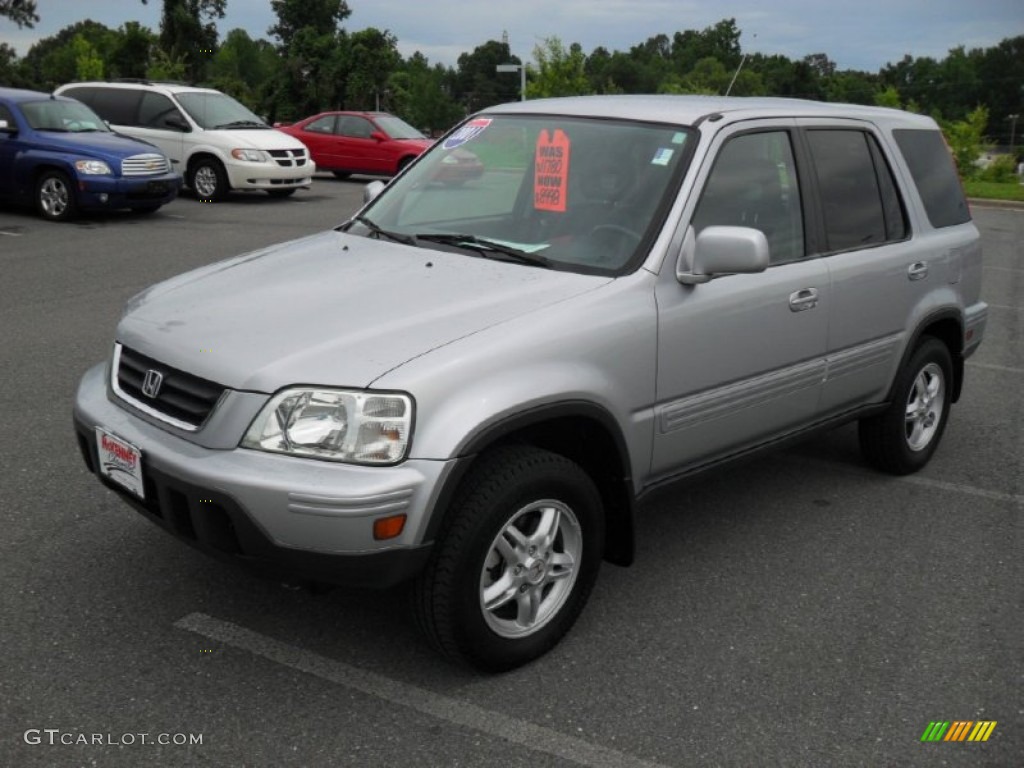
388,527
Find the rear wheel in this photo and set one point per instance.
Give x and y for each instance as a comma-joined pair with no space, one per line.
208,180
902,439
55,197
516,561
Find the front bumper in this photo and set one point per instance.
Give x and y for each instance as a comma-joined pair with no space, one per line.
127,192
293,517
244,175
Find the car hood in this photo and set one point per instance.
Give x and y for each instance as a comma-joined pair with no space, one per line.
98,145
262,138
331,309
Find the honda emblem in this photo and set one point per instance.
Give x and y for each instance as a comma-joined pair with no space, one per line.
152,383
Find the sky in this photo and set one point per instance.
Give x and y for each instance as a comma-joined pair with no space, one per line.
864,35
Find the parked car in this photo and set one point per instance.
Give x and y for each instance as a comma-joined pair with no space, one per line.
217,143
59,156
482,384
373,143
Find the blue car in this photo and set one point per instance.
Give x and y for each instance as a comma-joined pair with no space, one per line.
58,155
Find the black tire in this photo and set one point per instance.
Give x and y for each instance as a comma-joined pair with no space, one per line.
55,197
281,192
403,164
208,181
520,488
341,174
902,439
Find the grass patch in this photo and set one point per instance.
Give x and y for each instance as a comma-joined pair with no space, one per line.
991,190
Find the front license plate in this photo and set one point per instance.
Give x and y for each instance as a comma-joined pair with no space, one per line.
120,461
157,188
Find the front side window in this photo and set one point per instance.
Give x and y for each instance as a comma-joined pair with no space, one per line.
579,194
62,116
858,196
355,127
753,183
155,109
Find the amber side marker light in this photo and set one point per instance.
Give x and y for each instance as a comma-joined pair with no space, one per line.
388,527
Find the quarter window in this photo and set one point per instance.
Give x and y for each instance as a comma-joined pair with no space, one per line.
934,173
859,198
754,184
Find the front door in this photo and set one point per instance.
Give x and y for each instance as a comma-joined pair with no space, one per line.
741,358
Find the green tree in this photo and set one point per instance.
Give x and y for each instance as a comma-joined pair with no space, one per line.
10,69
324,17
888,97
557,71
52,61
21,12
966,139
131,52
477,82
188,34
373,57
420,94
88,64
242,66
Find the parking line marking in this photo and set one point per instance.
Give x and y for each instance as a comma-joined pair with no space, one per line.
451,710
1005,307
10,234
991,367
1005,269
925,482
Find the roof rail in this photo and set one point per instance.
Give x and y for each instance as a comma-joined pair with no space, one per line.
145,81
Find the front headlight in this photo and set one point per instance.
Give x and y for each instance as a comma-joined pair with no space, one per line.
340,425
250,155
92,167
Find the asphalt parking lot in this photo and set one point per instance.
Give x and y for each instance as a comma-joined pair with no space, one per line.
797,610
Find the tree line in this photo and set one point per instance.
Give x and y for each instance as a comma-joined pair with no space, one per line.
311,63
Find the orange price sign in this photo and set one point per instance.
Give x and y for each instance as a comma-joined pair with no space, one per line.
551,171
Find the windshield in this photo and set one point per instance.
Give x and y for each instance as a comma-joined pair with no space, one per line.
580,194
64,116
397,128
215,110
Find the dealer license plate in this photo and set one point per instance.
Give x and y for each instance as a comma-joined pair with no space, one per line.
120,461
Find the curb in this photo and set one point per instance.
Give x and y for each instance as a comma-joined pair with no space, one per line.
983,202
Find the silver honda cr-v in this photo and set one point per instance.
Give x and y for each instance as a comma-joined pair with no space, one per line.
471,383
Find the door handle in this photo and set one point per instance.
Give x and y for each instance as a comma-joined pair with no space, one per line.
804,299
918,270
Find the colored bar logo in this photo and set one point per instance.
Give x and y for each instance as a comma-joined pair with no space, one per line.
959,730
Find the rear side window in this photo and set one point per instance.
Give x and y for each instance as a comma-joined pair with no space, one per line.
934,173
859,199
115,105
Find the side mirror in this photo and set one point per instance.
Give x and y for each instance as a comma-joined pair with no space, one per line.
177,122
371,190
379,136
720,251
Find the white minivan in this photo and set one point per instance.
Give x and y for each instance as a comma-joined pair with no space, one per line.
216,143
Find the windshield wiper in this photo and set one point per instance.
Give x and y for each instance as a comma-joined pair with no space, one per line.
374,229
240,124
486,248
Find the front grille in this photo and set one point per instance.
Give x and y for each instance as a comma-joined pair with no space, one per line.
289,158
182,397
150,164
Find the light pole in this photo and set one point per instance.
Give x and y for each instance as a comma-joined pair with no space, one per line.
1013,130
522,76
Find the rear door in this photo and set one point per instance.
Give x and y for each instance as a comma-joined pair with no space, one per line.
741,358
878,273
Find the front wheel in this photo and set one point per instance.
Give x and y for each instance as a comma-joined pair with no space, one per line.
902,439
55,197
515,562
208,180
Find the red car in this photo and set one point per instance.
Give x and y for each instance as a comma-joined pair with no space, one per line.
359,142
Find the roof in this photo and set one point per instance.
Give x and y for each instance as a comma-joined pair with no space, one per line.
18,95
690,110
